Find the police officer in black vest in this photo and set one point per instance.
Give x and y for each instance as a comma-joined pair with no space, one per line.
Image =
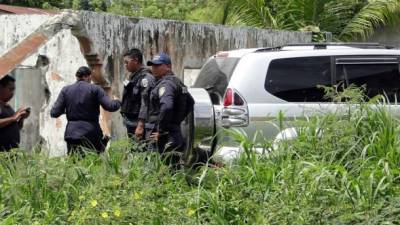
10,121
136,94
81,103
163,122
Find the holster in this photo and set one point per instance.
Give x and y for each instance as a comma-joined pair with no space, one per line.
150,128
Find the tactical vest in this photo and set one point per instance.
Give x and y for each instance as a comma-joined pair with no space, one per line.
184,102
131,97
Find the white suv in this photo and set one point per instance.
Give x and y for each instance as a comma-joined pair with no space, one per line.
245,88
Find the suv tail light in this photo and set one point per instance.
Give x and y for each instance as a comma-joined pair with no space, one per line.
232,98
228,98
235,111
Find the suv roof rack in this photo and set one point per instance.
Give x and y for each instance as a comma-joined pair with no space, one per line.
361,45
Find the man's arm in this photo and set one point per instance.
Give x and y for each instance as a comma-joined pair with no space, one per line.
59,106
106,102
12,119
7,121
146,85
166,106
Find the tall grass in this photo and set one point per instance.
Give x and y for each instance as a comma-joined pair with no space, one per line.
342,169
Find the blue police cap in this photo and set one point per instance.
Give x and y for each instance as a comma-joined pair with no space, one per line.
159,59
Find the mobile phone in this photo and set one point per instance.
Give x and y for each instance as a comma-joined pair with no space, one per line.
28,110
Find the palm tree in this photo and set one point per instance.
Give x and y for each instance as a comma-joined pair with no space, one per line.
346,19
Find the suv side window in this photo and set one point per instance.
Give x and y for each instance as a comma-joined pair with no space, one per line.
296,79
380,74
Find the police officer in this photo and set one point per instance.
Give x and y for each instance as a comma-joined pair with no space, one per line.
81,103
11,122
136,94
163,125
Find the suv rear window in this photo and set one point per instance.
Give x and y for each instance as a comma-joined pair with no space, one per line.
296,79
214,76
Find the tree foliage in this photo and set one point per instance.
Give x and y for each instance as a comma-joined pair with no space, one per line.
346,19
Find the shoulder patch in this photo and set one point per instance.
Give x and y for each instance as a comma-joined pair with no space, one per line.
161,91
145,82
126,82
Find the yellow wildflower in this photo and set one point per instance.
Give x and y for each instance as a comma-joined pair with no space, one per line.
191,212
116,182
136,196
104,215
117,213
93,203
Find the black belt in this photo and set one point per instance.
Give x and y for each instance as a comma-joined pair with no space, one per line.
150,126
130,115
90,121
153,119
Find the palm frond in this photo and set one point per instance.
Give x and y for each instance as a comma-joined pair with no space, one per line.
297,14
252,13
376,14
336,15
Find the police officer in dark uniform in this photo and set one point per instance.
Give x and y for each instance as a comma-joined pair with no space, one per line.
11,122
136,94
163,123
81,103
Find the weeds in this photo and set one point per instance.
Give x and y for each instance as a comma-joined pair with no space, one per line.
343,168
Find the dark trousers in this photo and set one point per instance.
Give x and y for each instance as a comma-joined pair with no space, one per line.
131,132
130,125
79,146
139,145
171,148
6,147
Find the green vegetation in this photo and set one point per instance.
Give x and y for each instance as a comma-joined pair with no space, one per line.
342,169
347,20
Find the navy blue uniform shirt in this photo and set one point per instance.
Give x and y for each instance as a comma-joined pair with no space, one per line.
81,103
162,100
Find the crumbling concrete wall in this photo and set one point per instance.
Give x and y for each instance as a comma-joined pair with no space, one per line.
188,44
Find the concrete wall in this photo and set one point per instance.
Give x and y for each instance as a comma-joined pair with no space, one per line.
188,44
